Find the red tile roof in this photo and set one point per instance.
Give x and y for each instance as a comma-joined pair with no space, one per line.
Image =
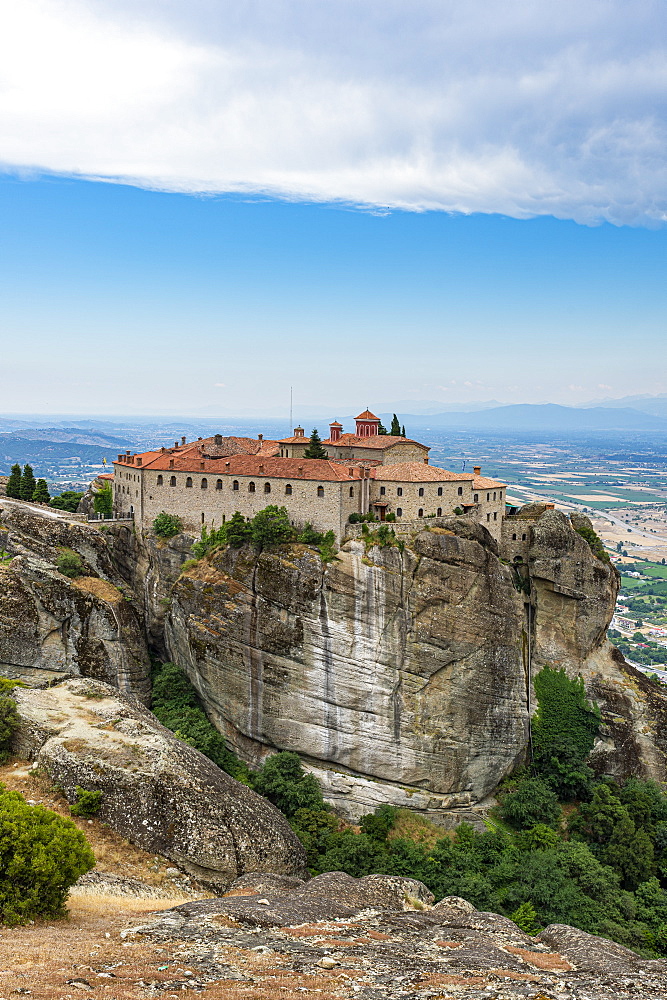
257,466
417,472
367,415
381,441
299,439
482,483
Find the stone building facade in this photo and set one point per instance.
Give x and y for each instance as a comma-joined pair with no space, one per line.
206,481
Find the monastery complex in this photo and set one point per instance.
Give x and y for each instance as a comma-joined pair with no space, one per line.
207,481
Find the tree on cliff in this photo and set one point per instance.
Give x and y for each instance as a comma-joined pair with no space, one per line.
28,483
69,500
395,430
271,526
103,501
41,494
14,482
315,448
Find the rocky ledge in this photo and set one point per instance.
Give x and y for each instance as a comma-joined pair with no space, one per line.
380,937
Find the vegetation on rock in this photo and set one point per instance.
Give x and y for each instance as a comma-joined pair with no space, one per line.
167,525
14,482
69,563
103,501
87,804
595,544
41,856
69,501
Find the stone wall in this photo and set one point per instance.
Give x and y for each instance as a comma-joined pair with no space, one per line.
432,501
211,506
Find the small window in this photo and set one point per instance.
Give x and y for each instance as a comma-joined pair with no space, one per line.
204,484
160,481
235,484
399,491
460,491
488,517
351,491
439,512
495,515
421,491
267,487
494,496
251,487
188,481
218,484
383,490
523,538
420,512
399,512
320,491
202,517
488,496
514,537
439,491
288,490
476,498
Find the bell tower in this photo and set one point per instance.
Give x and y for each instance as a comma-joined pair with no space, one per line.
367,424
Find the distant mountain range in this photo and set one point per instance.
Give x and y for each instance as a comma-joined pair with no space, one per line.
539,417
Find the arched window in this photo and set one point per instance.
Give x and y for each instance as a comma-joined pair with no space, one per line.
439,511
235,484
494,496
399,491
399,512
382,491
421,491
172,481
351,491
420,512
320,491
204,484
218,484
288,490
439,491
188,481
514,537
460,491
267,487
476,498
251,487
523,538
160,481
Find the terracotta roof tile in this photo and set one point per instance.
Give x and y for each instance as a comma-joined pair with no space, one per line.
482,483
417,472
367,415
249,465
381,441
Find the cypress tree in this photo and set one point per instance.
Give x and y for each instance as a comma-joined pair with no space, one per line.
381,428
403,431
28,483
395,427
41,494
315,448
14,482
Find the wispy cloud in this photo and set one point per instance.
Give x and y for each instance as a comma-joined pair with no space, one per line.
518,108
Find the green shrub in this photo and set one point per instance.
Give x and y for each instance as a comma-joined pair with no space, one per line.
532,802
69,563
282,780
564,730
271,526
594,542
209,541
41,856
69,501
9,721
167,525
103,501
176,705
87,803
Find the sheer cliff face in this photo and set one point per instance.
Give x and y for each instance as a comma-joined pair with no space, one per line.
405,676
400,667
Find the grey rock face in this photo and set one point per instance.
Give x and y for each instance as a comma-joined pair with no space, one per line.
52,625
157,792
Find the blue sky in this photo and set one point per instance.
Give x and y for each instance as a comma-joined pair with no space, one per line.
199,211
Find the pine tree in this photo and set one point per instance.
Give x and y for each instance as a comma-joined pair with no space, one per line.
403,431
381,428
41,494
28,483
14,482
315,448
395,427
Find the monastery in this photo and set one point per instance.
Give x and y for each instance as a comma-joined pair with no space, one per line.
206,481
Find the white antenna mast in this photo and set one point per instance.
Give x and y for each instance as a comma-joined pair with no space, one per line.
291,425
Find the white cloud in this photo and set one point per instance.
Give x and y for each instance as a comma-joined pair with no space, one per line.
521,108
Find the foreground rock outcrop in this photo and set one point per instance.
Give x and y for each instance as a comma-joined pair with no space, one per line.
157,791
379,937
